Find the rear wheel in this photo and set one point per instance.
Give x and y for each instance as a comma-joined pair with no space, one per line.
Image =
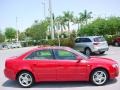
102,52
25,79
99,77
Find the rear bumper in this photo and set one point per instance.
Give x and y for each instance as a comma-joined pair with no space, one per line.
100,49
9,74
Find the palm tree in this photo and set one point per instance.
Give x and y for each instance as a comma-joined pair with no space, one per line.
78,21
60,24
85,16
68,17
48,32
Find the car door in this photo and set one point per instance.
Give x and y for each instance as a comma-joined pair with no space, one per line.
79,44
68,69
43,64
82,43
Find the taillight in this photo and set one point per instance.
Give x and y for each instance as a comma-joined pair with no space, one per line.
95,43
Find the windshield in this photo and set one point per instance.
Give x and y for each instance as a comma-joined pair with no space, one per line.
81,54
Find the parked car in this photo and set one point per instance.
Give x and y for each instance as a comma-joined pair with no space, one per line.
59,64
14,45
90,44
116,41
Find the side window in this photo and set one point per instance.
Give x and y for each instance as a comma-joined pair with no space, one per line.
64,55
81,40
77,40
85,40
40,54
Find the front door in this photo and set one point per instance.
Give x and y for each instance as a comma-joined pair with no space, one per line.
68,69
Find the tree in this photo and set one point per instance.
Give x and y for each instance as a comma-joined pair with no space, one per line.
85,16
101,26
22,36
113,25
60,24
37,31
10,33
2,37
68,17
78,21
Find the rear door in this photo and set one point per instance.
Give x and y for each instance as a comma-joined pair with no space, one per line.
82,43
43,64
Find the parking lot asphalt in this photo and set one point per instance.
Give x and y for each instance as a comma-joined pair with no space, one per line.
5,84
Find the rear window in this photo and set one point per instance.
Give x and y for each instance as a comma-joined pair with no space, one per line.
99,39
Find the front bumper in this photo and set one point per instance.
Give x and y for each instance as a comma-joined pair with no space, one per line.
114,73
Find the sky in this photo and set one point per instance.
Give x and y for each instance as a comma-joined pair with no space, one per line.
27,11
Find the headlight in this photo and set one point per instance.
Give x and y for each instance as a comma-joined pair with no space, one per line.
115,65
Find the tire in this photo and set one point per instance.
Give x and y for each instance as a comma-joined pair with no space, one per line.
102,52
116,43
25,79
87,52
99,77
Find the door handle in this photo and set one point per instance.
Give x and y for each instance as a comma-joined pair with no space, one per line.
34,64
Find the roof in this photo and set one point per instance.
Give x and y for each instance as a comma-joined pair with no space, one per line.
53,47
89,36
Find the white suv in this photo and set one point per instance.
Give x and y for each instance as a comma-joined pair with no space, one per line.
89,44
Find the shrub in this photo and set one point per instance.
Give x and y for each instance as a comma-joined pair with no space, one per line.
63,42
110,38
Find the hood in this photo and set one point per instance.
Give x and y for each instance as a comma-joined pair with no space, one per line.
101,60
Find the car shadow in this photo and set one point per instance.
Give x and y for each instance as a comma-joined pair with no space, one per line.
14,84
98,54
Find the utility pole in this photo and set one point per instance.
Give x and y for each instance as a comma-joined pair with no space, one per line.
44,8
17,37
51,19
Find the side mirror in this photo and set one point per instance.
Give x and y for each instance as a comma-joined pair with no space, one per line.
78,59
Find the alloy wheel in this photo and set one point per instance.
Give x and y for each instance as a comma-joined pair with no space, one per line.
87,52
25,79
116,44
99,77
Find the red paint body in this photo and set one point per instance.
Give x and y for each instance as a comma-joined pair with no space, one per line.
58,70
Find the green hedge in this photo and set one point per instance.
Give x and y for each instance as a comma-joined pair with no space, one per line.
69,42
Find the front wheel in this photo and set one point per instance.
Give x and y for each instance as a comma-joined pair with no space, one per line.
99,77
87,52
116,43
25,79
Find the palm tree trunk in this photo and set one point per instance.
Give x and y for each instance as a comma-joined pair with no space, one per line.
68,29
61,29
78,26
86,22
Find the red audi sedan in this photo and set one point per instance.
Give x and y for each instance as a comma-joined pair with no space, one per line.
59,64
